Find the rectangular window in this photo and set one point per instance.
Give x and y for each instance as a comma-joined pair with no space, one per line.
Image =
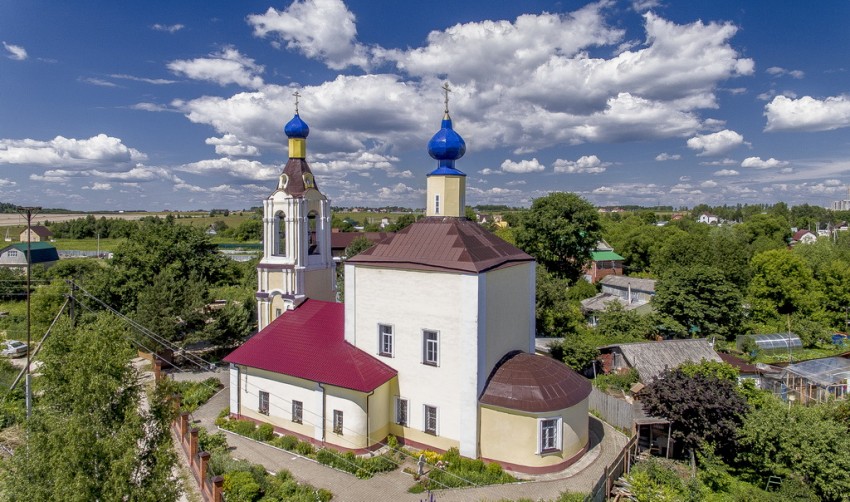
431,419
437,204
430,347
297,412
401,411
264,403
550,438
338,422
13,253
385,340
277,313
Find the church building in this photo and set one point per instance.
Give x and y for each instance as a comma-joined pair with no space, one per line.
434,343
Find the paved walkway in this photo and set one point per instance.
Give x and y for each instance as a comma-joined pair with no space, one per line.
606,443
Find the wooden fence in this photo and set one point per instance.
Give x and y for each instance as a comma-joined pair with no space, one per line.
616,412
619,467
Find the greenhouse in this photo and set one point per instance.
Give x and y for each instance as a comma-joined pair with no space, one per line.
814,381
773,342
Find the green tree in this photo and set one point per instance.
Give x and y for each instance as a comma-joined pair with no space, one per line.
782,285
561,231
618,324
556,314
356,247
701,408
700,299
776,440
401,222
89,438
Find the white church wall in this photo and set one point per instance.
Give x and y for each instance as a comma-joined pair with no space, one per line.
413,301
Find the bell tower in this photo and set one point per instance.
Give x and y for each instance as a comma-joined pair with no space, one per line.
446,185
297,262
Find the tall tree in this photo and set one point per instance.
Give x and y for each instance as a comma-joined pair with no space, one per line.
90,437
782,285
700,299
561,231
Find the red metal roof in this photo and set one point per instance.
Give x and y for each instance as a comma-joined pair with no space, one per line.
309,343
536,384
437,243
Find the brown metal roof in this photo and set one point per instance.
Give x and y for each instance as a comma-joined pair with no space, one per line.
341,240
437,243
536,384
295,170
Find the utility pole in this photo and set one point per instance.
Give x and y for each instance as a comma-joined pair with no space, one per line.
28,212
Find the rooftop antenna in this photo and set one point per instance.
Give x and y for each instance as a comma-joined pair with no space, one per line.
297,95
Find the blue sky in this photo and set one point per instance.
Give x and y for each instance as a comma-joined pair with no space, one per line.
181,105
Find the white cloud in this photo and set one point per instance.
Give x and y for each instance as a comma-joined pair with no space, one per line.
396,192
319,29
98,82
357,161
237,168
228,66
487,171
661,157
515,183
587,164
99,187
15,52
523,166
757,163
154,81
400,174
777,71
230,146
4,183
807,113
723,162
726,172
716,143
708,184
100,150
170,28
151,107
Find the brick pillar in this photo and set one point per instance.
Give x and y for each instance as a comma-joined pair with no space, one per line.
184,424
204,457
176,400
217,483
157,370
193,446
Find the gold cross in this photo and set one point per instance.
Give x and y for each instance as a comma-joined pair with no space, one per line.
297,95
447,90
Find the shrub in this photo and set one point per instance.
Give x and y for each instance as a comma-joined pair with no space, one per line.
285,442
459,471
242,427
304,448
265,432
194,394
211,442
223,417
240,486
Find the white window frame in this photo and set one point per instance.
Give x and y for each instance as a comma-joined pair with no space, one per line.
402,404
297,412
436,429
426,342
13,252
556,443
260,409
386,340
338,422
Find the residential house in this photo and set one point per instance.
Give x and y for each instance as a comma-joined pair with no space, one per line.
651,359
434,343
709,219
603,261
630,292
15,255
804,237
39,233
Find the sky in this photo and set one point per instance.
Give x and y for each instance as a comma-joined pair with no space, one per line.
156,105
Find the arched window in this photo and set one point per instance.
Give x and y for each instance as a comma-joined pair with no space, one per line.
280,231
312,241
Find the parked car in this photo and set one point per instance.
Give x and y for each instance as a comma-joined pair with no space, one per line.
14,348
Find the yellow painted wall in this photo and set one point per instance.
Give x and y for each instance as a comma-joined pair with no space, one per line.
319,284
452,191
511,436
297,148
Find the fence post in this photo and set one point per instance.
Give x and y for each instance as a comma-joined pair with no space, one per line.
607,482
217,483
157,370
205,460
193,446
184,425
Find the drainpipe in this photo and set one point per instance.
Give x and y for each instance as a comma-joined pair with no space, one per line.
324,410
367,417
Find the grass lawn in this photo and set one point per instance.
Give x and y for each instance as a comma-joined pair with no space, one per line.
106,245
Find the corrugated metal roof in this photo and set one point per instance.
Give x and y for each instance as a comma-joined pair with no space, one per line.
309,343
535,384
437,243
341,240
42,252
651,359
606,256
295,169
624,281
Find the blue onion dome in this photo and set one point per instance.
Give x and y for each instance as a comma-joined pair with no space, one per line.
296,128
446,144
